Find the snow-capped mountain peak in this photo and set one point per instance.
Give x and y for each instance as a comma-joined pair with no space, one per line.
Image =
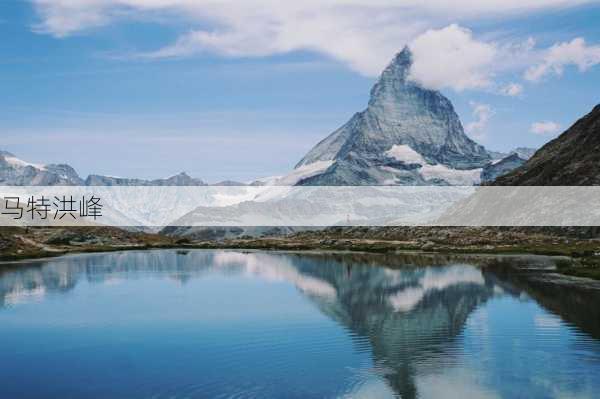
401,116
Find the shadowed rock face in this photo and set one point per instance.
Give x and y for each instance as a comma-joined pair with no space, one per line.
400,112
572,159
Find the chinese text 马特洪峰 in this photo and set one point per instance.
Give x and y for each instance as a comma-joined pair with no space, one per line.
53,207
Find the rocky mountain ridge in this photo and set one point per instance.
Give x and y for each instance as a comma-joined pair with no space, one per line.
181,179
16,172
572,159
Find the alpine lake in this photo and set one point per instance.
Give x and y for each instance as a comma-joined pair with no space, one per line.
236,324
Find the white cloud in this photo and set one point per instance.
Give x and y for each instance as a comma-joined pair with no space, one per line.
363,34
545,127
576,52
482,114
450,57
512,89
364,44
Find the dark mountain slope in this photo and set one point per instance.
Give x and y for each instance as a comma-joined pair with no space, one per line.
572,159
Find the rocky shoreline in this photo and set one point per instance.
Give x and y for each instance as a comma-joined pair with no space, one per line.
18,243
582,255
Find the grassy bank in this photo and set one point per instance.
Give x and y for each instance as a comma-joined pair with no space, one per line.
20,244
584,261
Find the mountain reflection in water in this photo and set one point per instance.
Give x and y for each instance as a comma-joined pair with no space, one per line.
430,325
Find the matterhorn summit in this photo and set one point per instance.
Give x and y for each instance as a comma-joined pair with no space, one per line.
407,135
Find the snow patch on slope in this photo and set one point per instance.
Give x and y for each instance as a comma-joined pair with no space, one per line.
456,177
19,163
303,172
406,154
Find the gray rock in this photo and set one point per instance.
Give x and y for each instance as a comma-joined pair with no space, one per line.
429,245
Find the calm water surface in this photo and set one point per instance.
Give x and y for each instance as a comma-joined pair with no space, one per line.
220,324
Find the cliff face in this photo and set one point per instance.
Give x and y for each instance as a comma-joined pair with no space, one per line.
572,159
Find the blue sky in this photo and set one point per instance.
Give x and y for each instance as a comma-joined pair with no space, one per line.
149,88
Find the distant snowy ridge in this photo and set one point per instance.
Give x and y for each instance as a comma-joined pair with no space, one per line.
19,163
17,172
